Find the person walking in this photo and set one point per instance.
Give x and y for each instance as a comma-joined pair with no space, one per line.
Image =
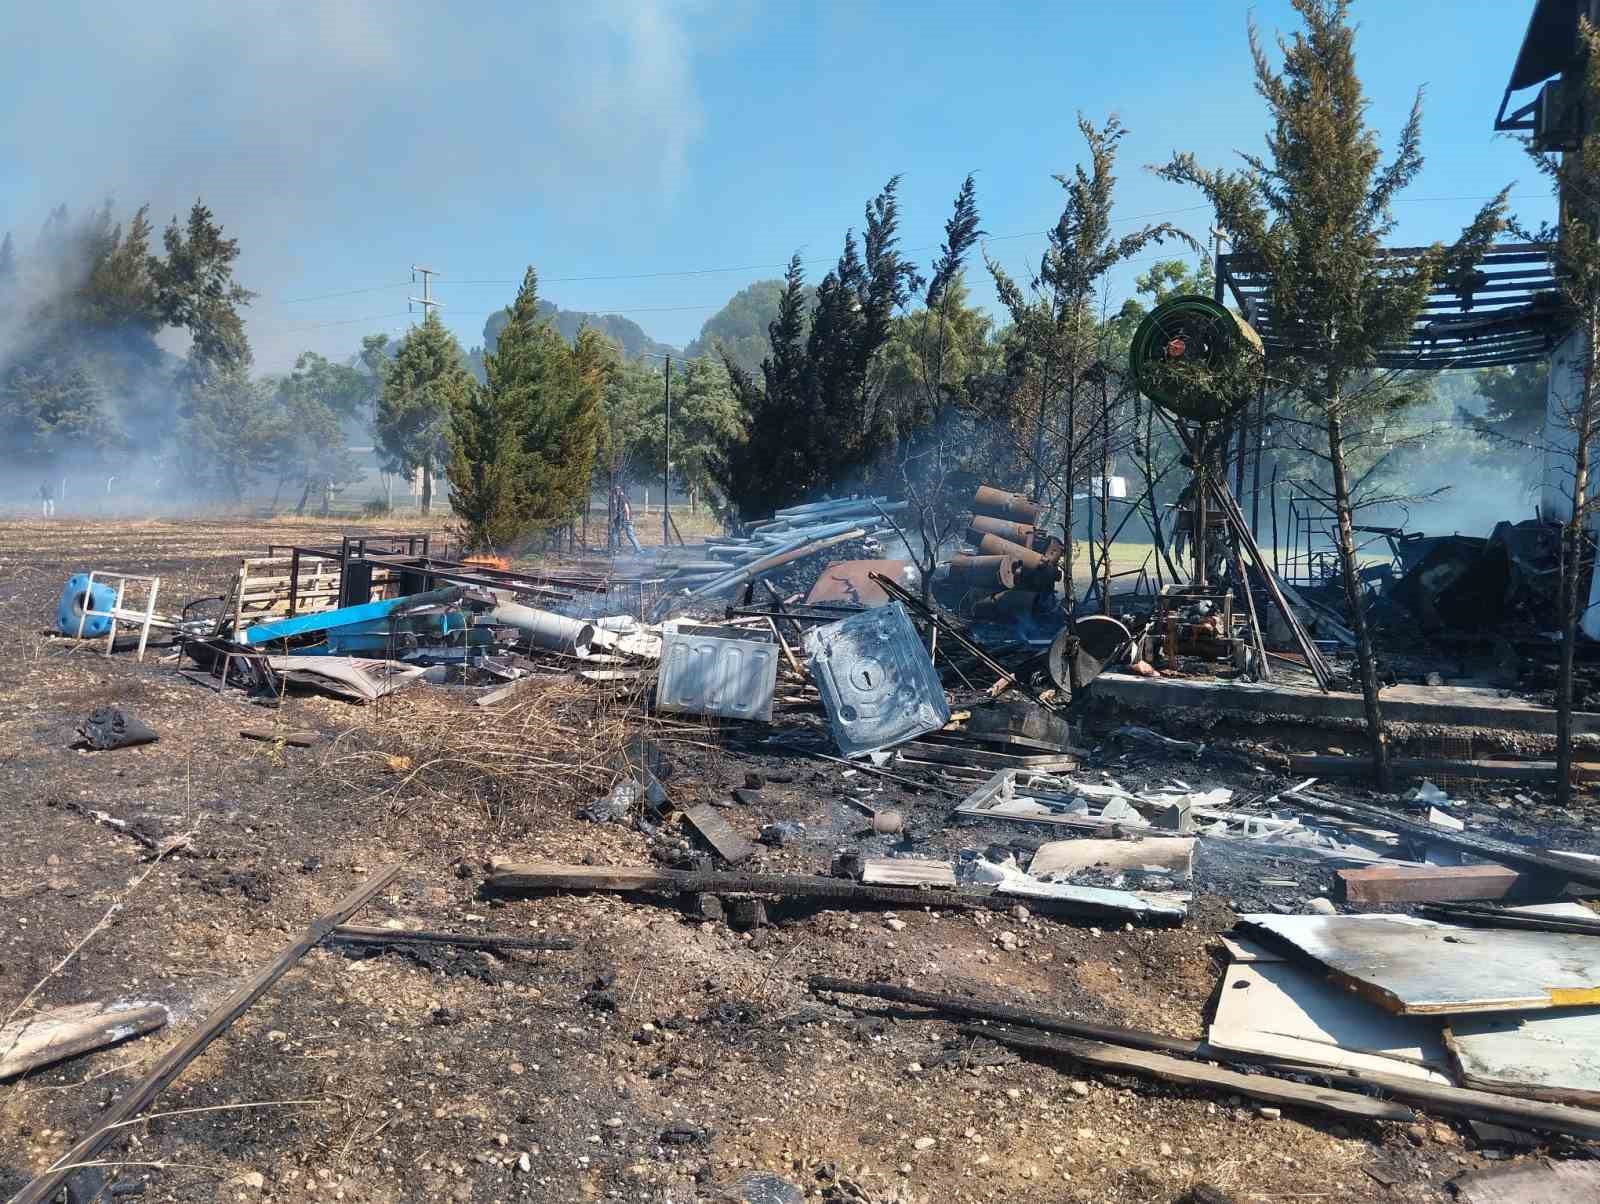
622,519
47,500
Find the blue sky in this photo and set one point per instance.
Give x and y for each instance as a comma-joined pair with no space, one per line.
619,147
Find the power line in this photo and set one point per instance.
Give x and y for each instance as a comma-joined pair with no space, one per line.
349,292
775,266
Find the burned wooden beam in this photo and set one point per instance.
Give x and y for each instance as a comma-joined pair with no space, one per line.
1467,1103
1537,861
355,934
1378,885
1004,1013
508,878
1120,1059
172,1063
54,1036
1424,767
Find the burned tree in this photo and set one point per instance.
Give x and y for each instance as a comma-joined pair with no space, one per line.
1314,212
929,365
1056,335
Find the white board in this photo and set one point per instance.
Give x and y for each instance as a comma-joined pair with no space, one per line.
1412,966
1551,1055
1281,1011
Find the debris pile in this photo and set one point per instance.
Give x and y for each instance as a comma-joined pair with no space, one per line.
904,751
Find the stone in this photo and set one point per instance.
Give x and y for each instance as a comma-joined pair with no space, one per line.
1443,1134
895,925
887,823
1321,906
709,907
255,1180
1269,1113
745,797
524,1163
1078,1087
763,1188
923,1143
754,779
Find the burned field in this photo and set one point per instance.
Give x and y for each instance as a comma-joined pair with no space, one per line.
684,1043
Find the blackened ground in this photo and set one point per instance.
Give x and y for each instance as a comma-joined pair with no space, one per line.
662,1058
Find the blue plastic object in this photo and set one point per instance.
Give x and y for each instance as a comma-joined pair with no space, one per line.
70,610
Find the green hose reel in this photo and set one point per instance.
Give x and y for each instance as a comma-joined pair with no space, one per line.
1196,359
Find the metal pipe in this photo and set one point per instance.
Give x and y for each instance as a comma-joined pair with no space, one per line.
995,545
985,572
546,628
1020,533
997,503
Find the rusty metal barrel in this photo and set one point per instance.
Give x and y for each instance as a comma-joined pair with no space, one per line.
984,572
994,545
983,524
997,503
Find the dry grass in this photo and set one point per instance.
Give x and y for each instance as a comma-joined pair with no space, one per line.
552,748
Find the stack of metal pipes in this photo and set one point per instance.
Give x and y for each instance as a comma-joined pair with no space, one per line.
789,535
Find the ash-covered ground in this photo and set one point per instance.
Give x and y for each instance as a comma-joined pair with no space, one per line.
667,1056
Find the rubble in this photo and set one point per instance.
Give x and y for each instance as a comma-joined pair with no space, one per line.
937,756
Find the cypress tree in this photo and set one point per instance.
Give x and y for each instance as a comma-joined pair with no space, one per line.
1315,210
488,424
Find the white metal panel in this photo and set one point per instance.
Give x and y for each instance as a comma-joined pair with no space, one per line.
876,680
709,675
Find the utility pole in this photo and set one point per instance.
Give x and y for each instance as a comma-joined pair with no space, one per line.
428,305
426,300
666,466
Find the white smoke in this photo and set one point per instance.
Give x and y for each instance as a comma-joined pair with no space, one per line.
296,122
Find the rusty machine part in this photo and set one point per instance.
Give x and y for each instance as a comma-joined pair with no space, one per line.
1176,630
985,572
997,503
1082,649
1018,533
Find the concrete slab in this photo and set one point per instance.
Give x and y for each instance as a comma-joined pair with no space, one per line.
1438,706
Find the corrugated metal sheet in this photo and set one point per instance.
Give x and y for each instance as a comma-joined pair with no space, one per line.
876,680
710,675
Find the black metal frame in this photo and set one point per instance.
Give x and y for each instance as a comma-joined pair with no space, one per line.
409,554
1509,309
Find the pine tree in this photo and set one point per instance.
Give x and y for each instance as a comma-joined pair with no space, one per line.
228,432
421,389
196,290
1315,211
